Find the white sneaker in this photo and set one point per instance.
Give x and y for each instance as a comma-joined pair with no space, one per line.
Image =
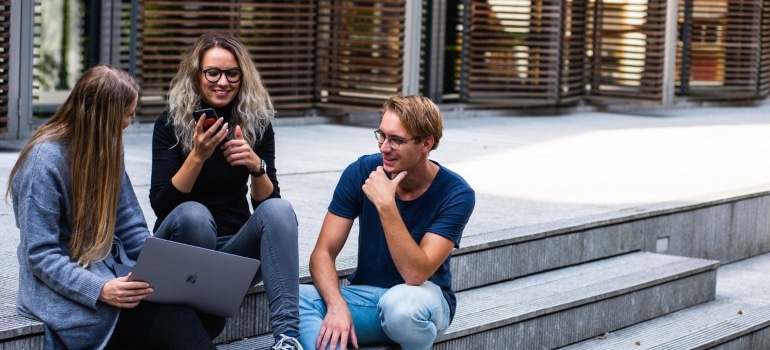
287,343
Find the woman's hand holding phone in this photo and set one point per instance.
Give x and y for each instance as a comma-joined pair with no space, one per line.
210,115
210,132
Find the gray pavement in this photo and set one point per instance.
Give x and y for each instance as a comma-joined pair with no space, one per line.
526,170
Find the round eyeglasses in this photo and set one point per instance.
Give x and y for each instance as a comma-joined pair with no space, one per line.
233,75
393,141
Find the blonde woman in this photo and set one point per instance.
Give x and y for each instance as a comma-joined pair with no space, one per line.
203,178
79,218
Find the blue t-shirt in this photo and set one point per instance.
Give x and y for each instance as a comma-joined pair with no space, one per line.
444,209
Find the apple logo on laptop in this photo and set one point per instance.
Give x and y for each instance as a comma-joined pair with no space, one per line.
192,279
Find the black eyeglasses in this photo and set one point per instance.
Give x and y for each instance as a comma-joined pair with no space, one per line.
233,75
394,141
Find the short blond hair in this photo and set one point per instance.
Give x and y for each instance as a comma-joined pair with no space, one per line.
419,115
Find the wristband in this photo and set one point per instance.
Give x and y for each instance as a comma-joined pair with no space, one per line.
261,171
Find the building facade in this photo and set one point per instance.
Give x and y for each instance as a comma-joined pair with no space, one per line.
326,57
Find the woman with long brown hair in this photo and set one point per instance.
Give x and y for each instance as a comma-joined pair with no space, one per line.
78,218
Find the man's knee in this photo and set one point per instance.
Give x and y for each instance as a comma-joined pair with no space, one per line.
401,303
408,312
408,297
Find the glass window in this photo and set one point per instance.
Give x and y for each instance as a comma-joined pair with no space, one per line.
59,52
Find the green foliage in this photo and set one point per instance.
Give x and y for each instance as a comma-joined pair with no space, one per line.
47,72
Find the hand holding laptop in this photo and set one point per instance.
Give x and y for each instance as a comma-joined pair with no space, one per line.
124,293
207,280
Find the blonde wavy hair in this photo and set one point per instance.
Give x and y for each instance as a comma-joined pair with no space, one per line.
252,109
90,125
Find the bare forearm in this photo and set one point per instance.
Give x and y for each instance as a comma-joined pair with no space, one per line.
261,187
184,179
409,258
324,274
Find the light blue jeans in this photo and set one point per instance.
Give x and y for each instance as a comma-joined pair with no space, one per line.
411,316
269,235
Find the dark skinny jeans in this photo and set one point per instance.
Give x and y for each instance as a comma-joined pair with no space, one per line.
270,235
162,326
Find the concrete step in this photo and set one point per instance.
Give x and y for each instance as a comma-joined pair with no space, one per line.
739,318
721,324
16,332
476,264
567,305
560,307
498,256
529,251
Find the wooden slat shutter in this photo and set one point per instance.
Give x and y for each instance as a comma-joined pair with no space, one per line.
573,51
360,52
5,49
125,36
626,49
513,52
281,38
278,34
742,54
164,30
724,51
764,58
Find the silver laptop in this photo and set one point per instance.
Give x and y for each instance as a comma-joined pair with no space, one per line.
206,280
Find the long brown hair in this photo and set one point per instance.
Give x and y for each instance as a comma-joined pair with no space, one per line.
90,125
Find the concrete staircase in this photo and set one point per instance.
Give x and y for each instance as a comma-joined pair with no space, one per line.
612,281
737,319
590,284
579,302
718,324
601,282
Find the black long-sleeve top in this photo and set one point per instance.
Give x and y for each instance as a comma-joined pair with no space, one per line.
221,187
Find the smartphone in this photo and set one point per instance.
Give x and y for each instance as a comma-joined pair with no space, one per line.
211,117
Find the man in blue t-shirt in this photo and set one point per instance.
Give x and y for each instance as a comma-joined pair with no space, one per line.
411,213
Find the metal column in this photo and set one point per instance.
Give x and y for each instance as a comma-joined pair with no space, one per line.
413,23
20,69
669,63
